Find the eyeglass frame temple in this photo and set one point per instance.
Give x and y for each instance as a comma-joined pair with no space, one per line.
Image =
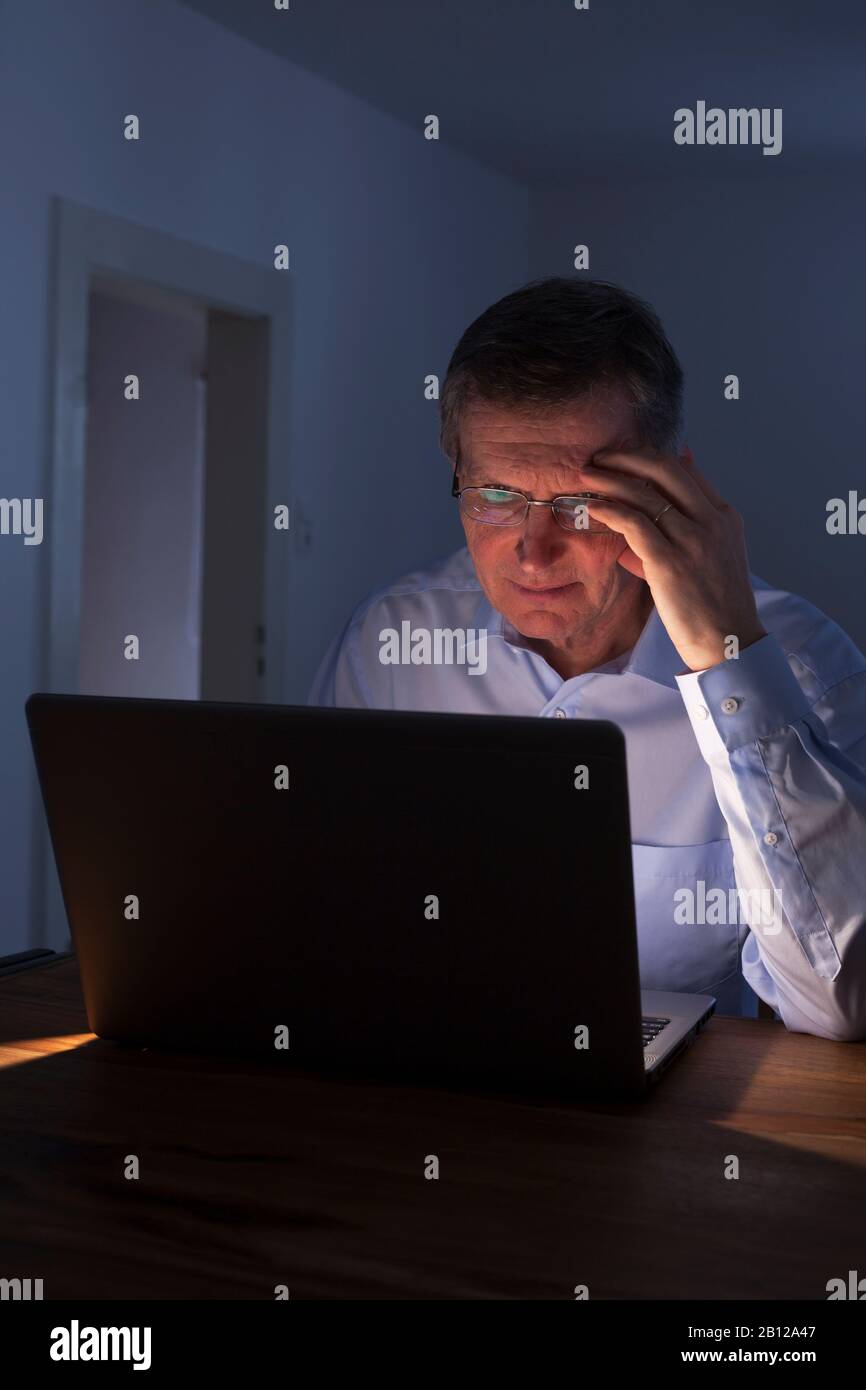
455,491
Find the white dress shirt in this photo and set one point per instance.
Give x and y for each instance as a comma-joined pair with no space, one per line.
749,776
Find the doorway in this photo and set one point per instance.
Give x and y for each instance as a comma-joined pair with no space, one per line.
172,583
168,460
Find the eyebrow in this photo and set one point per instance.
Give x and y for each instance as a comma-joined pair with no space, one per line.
466,465
509,487
465,469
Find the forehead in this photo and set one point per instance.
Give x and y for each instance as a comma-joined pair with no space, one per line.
560,438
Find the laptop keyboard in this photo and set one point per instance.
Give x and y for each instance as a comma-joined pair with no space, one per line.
652,1027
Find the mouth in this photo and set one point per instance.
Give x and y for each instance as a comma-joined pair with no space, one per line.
551,591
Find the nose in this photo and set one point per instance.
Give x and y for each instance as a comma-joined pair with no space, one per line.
541,541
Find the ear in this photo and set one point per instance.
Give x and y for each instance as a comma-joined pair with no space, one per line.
687,457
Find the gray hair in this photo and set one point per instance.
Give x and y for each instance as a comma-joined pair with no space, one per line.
553,342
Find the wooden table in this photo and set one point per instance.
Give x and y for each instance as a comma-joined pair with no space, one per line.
249,1178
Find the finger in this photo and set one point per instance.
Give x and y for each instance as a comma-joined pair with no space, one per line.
666,473
622,487
648,543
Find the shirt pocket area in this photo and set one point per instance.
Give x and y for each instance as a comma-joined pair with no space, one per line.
679,948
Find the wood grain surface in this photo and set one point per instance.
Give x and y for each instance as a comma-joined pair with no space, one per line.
253,1177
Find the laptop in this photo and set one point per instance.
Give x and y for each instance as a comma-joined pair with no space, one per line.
437,898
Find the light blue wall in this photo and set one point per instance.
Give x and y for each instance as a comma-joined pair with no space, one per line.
763,277
396,243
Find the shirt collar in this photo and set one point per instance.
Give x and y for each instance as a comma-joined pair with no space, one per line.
653,655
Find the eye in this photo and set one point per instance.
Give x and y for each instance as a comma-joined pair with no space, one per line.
496,494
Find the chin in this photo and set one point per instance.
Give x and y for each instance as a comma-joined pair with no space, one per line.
540,622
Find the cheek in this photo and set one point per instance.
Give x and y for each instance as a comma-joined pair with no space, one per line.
487,546
601,552
493,551
598,556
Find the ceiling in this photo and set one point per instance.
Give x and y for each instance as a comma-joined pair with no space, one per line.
546,93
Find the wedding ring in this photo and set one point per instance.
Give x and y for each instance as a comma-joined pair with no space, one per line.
662,512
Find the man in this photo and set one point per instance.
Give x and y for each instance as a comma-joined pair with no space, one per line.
605,578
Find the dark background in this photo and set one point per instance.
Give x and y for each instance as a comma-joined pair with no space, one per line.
306,127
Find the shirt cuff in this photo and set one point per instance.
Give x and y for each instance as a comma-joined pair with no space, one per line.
736,702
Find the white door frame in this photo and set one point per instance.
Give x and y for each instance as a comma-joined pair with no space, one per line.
88,241
85,242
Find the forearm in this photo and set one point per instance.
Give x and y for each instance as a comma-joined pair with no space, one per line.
795,807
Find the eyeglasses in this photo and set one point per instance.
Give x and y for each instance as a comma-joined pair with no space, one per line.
496,506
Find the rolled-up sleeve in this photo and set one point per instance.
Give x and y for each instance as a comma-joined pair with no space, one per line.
784,738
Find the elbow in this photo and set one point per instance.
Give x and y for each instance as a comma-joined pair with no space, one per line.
848,1031
843,1028
833,1024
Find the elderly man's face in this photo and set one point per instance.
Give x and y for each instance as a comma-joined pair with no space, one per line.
551,584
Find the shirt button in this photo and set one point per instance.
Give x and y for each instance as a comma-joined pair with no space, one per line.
702,712
560,714
730,706
771,838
